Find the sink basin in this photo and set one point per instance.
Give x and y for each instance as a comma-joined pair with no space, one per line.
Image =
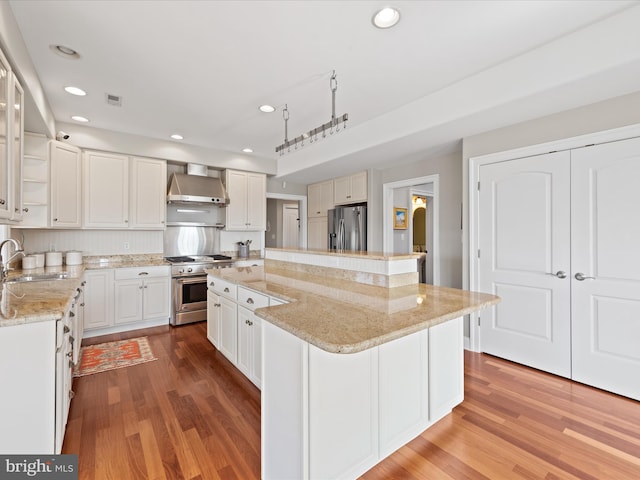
38,277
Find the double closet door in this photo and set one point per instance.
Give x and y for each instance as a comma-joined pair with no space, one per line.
559,241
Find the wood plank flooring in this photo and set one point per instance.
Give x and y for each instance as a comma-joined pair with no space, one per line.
190,414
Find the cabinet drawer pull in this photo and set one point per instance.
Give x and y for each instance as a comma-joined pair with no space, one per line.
143,273
216,304
66,329
226,289
211,284
250,301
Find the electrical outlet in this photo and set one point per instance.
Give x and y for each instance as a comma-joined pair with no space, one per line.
126,245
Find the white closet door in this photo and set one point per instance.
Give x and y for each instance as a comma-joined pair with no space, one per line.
524,239
605,226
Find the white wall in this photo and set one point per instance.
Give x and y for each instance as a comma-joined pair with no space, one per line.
449,168
609,114
401,239
91,242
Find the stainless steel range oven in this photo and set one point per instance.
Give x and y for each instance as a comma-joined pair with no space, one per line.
189,286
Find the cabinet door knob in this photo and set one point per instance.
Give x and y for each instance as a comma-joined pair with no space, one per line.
25,209
250,301
55,219
2,201
212,284
226,289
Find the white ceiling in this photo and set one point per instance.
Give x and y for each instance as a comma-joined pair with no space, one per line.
449,69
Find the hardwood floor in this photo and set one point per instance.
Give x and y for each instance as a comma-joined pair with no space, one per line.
190,414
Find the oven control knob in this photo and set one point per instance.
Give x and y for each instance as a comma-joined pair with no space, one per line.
181,271
189,269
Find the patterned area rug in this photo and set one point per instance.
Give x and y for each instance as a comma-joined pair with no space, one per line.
112,355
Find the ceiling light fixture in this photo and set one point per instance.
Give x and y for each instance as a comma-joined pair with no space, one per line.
247,150
65,52
267,108
386,18
177,136
79,118
331,127
75,91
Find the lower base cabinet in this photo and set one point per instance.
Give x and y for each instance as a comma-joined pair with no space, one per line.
123,299
232,326
327,415
37,380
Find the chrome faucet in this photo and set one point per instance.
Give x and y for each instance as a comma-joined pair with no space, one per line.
19,252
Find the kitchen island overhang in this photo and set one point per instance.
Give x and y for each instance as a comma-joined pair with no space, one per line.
352,371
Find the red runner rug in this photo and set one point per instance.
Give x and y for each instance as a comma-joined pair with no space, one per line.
109,356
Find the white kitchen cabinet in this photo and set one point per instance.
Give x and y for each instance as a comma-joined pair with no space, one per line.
213,318
320,199
5,135
98,299
142,294
16,115
106,190
11,142
317,233
350,189
35,181
34,404
250,334
247,207
66,185
330,415
228,329
148,193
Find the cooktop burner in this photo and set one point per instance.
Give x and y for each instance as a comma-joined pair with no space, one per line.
198,258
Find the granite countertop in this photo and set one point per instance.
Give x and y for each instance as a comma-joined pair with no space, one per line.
350,254
341,316
39,301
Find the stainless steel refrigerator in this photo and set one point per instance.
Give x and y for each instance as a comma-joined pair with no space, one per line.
348,228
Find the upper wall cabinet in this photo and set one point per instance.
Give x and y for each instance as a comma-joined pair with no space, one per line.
17,134
66,185
320,198
124,192
11,143
35,181
148,193
247,208
106,190
350,189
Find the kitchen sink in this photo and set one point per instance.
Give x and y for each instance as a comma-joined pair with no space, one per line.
38,277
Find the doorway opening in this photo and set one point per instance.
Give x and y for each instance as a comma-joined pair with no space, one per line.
422,233
286,221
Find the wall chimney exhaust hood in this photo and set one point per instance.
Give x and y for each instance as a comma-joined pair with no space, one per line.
196,188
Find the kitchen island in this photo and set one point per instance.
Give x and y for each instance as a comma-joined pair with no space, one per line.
352,368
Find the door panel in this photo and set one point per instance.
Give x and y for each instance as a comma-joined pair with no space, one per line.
606,237
524,235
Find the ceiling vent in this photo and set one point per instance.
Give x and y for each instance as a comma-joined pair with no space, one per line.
114,100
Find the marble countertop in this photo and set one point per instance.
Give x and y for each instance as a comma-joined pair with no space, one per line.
341,316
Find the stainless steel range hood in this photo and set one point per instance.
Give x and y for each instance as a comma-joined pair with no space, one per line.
196,188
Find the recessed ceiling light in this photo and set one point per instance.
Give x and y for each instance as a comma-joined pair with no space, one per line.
267,108
386,18
177,136
75,91
65,52
79,118
247,150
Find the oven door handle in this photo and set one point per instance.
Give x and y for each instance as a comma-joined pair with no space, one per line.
190,280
